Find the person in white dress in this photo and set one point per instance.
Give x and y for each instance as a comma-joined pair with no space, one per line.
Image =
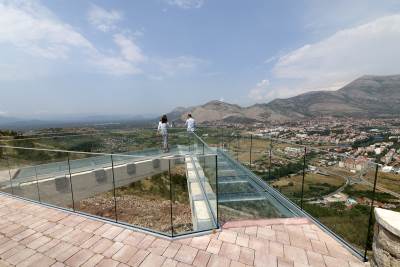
191,128
163,130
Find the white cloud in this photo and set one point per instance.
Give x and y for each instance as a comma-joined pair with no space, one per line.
129,50
370,48
102,19
181,64
260,91
186,4
32,28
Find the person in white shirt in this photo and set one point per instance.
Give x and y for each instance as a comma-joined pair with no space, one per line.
190,123
163,130
190,127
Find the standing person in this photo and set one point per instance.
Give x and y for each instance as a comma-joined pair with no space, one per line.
190,123
190,127
163,130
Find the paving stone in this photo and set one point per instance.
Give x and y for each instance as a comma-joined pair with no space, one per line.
79,258
153,260
125,253
295,254
101,245
237,264
242,240
138,258
202,258
107,263
159,246
186,254
214,246
200,242
146,242
93,261
230,251
282,262
170,263
228,236
171,250
246,256
20,256
113,249
218,261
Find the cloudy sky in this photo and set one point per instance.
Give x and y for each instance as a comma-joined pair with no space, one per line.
61,57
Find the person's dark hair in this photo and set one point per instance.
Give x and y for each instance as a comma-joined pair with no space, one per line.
164,119
189,115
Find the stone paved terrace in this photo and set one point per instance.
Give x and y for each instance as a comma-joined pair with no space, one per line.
34,235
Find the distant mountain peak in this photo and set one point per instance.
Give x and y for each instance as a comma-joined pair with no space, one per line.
368,96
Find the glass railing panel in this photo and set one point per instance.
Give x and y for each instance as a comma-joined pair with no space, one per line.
92,182
142,190
186,189
344,209
5,179
22,164
286,173
54,180
259,161
207,170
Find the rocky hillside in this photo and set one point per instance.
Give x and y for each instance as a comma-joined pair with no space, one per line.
368,96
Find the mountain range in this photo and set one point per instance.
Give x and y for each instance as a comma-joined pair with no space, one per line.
368,96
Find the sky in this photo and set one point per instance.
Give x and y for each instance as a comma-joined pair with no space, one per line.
63,57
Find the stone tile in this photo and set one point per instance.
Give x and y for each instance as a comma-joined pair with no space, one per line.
138,258
200,242
7,246
20,256
134,238
237,264
79,258
262,259
251,230
202,258
282,237
171,250
101,245
146,242
218,261
242,240
91,241
258,244
276,248
266,233
66,254
49,245
319,247
170,263
38,242
37,260
228,236
335,262
315,259
246,256
214,246
186,254
107,263
30,238
125,254
282,262
113,249
57,249
112,232
159,246
153,260
22,235
93,261
123,235
11,252
295,254
230,251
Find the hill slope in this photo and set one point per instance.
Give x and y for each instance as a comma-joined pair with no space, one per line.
368,96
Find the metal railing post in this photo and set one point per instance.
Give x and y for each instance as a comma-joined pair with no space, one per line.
170,197
270,160
216,185
70,183
304,174
9,174
370,213
37,184
237,149
115,196
251,147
